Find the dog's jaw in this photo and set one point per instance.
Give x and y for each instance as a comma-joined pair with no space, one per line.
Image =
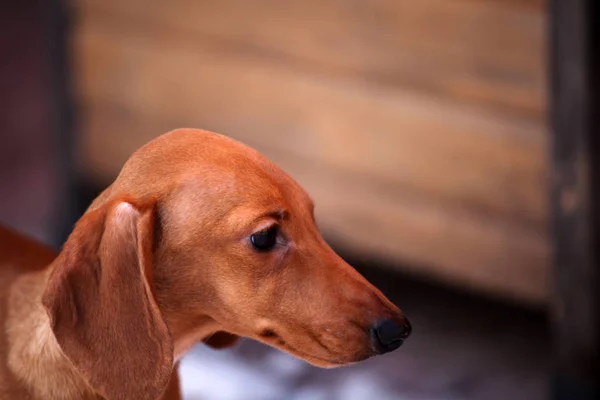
184,342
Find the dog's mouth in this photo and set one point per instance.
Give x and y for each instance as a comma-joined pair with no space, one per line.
319,361
271,338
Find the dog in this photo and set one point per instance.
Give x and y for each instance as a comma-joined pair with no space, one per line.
199,239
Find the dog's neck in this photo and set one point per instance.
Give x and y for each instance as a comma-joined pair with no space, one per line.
35,357
184,338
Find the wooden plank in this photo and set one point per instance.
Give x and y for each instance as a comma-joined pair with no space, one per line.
488,53
465,157
420,232
575,39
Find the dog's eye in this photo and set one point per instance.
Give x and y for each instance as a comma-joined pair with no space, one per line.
265,240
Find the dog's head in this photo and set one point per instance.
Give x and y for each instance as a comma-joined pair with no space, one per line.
202,238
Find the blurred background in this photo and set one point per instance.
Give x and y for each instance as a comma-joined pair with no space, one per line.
420,128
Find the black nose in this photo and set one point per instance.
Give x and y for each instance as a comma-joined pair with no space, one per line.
389,334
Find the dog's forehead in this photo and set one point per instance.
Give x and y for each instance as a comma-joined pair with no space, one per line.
233,200
236,196
207,167
249,183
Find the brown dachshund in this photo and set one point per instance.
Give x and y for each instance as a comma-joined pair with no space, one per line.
200,238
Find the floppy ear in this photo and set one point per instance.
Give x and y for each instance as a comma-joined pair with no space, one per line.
101,306
221,340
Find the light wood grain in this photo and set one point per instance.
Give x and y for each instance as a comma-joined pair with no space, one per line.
477,51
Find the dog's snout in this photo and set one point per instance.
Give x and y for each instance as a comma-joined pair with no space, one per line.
389,334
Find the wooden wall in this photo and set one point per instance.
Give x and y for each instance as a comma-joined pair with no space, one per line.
419,127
